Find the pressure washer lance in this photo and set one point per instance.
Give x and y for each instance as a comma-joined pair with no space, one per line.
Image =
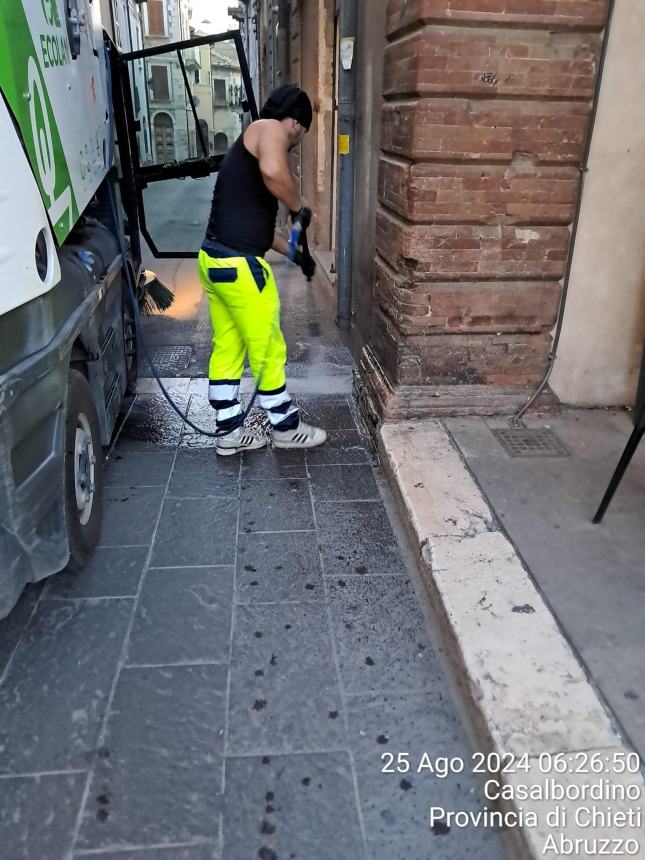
300,220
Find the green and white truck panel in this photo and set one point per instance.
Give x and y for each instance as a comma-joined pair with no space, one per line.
53,76
23,218
64,363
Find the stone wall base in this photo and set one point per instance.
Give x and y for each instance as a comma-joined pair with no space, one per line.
380,400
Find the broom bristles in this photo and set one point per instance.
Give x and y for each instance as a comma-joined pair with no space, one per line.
157,298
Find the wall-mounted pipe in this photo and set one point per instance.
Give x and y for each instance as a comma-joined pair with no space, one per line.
348,20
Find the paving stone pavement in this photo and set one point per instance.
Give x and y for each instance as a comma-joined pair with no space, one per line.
222,681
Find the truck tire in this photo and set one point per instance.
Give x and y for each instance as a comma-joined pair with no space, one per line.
83,472
130,344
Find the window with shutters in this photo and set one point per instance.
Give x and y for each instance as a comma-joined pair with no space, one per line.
219,92
156,23
159,83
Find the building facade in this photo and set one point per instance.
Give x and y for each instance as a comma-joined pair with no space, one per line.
227,95
245,15
171,123
217,90
201,88
479,253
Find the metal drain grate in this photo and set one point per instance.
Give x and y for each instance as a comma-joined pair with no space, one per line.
530,442
169,360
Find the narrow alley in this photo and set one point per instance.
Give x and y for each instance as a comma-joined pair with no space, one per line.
252,640
409,626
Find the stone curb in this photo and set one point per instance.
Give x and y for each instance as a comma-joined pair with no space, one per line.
526,690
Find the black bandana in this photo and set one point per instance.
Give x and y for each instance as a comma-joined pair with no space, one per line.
288,101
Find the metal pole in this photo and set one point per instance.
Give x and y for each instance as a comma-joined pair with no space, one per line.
348,18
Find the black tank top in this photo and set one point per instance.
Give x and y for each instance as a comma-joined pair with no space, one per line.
243,211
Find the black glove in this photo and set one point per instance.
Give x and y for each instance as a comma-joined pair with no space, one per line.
306,263
303,215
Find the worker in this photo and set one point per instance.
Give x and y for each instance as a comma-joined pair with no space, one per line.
240,286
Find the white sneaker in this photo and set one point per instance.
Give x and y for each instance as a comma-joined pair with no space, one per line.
304,436
239,440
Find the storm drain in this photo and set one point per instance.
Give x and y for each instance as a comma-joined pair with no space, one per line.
529,442
169,360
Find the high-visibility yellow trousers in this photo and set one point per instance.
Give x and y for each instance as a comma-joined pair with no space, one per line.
245,313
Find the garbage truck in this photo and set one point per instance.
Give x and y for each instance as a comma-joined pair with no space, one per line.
111,133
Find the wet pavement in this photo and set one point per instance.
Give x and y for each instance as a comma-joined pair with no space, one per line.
225,677
319,363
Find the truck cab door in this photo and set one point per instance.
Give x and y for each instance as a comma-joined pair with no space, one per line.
178,108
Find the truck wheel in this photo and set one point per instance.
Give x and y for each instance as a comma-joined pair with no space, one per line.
83,471
130,345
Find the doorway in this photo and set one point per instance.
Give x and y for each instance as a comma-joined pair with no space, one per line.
164,138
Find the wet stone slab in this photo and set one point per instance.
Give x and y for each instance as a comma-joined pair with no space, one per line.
275,505
152,424
195,532
273,463
38,815
13,626
291,806
130,515
284,695
111,572
396,805
201,473
55,694
331,413
343,447
357,538
472,844
343,483
381,638
138,469
278,567
158,776
201,851
316,361
201,413
183,616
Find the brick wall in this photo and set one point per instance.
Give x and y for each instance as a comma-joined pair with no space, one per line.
483,130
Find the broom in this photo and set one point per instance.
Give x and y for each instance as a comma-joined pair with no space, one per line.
157,298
